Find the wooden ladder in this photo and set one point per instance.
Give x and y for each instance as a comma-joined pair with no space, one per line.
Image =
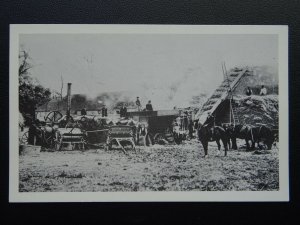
234,115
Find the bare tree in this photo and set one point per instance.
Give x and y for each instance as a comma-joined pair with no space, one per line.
61,92
31,94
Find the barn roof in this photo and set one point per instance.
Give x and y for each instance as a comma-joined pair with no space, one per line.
221,93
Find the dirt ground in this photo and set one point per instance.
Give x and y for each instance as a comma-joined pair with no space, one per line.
157,168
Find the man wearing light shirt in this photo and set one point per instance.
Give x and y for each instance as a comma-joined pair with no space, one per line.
263,90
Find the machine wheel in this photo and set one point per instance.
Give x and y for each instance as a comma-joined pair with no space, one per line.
169,137
53,117
158,137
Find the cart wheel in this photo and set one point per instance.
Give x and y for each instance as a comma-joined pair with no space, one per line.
169,137
158,137
24,138
53,116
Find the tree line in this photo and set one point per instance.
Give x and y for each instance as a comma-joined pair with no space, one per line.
31,93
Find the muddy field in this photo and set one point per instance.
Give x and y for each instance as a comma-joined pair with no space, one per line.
156,168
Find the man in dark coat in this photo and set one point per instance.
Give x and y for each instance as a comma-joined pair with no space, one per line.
248,91
83,112
185,120
149,106
104,111
123,111
138,103
210,121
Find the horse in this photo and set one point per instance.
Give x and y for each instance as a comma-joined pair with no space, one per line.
246,132
212,133
264,134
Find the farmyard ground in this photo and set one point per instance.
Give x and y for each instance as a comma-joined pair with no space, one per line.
156,168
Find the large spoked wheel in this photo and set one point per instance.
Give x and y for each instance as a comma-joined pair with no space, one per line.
158,138
24,138
169,136
53,117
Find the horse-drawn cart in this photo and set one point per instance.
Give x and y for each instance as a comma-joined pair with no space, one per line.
158,125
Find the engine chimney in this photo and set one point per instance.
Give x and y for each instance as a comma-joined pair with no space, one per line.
69,100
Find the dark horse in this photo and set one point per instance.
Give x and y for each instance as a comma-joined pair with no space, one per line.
264,134
214,133
240,131
250,133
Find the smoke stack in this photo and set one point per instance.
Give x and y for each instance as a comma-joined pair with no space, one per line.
69,100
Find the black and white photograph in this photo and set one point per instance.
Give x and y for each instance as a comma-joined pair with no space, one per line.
148,113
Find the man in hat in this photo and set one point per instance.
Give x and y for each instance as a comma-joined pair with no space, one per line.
83,112
138,103
210,121
248,91
123,111
104,111
149,106
263,90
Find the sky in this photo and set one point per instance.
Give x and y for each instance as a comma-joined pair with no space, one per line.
167,69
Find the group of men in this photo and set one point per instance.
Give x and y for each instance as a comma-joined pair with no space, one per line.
184,122
139,106
123,109
103,111
263,91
